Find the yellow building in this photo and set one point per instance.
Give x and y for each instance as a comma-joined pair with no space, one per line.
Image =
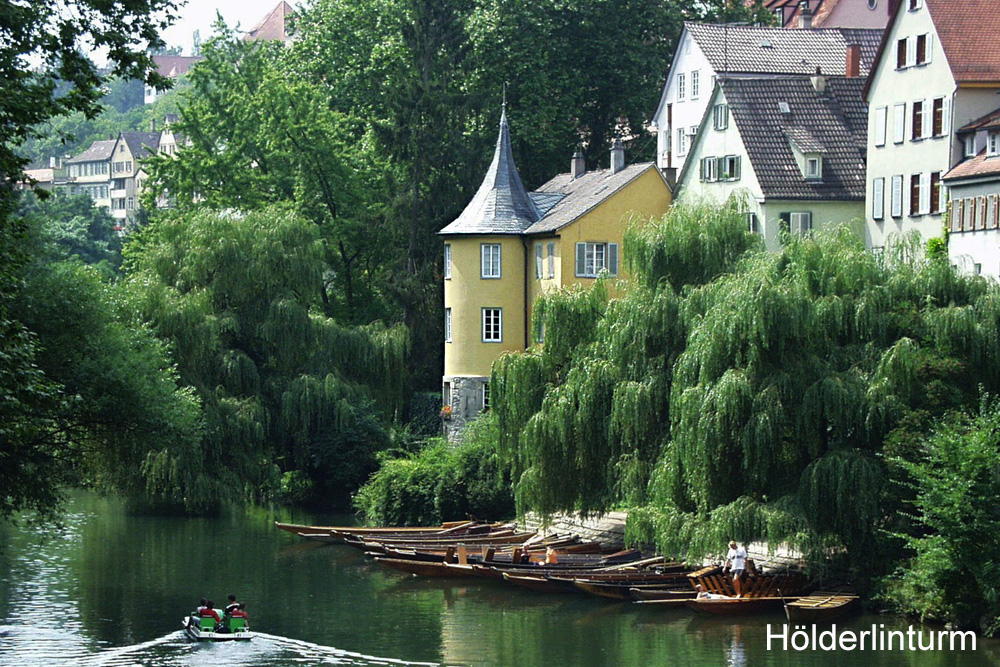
510,246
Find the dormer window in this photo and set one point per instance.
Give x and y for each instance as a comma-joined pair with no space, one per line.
969,143
993,144
814,167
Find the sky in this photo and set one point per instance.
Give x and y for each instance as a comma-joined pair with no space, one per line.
200,15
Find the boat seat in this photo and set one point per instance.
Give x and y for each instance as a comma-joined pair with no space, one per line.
237,623
207,624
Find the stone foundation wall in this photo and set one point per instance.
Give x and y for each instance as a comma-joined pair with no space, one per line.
466,403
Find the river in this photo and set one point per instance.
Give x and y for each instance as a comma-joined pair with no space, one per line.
110,589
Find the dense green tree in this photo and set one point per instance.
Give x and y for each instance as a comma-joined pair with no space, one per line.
739,393
284,387
66,226
954,475
65,81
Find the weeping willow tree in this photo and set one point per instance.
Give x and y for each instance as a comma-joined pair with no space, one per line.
287,391
736,393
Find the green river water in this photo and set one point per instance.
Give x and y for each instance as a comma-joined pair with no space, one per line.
111,589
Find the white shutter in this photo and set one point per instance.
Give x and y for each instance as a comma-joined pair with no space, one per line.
926,119
911,50
878,198
946,117
899,123
896,203
880,120
581,259
538,260
613,259
929,47
925,193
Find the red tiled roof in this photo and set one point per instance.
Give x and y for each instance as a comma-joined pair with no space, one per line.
173,66
977,166
272,26
968,32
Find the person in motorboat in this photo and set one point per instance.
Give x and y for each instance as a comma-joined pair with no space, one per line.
209,611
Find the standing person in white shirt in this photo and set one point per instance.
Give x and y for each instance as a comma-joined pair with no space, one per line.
736,561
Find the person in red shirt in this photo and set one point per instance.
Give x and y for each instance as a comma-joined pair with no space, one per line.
208,611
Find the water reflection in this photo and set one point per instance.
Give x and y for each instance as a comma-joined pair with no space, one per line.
111,590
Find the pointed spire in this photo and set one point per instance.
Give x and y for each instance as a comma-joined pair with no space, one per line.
501,205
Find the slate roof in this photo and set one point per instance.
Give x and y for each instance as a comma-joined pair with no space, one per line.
273,26
756,50
833,123
988,122
141,143
501,205
976,166
577,196
967,31
99,150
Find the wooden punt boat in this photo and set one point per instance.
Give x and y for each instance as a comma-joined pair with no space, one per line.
728,606
614,590
659,593
715,581
420,567
820,607
296,528
499,537
537,583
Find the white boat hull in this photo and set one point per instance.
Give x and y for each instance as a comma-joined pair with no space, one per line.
193,630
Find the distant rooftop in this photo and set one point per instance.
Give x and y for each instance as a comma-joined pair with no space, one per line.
273,26
99,150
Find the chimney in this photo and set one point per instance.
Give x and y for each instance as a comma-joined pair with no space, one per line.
805,15
617,156
853,68
818,81
578,166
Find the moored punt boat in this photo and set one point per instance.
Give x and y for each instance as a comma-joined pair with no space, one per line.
660,593
468,541
420,567
714,580
730,606
820,607
616,590
536,582
303,528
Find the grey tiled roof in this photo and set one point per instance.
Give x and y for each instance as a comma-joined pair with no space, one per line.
756,50
834,123
142,143
99,150
579,195
501,205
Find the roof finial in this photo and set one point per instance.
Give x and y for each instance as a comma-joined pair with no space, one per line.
504,108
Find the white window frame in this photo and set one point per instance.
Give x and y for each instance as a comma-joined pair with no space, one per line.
492,325
914,5
709,173
681,141
879,119
896,197
447,261
447,325
695,84
720,116
681,88
993,144
594,258
878,199
800,222
899,123
539,259
487,270
486,396
729,169
969,145
814,167
551,259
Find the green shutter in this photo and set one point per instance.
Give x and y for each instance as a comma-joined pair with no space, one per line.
613,259
581,259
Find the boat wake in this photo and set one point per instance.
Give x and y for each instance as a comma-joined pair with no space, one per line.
175,650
